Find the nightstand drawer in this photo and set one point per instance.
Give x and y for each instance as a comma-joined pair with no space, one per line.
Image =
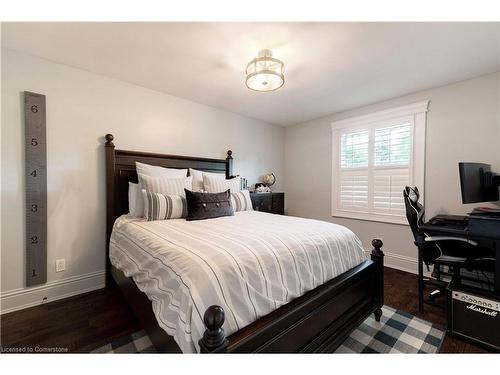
269,202
278,206
262,202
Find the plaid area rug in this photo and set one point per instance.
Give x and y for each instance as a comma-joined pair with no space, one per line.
137,342
397,332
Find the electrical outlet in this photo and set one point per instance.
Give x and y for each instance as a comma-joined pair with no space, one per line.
60,265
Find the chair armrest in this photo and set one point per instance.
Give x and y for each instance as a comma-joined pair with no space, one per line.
449,238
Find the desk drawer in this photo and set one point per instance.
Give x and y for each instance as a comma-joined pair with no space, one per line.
484,227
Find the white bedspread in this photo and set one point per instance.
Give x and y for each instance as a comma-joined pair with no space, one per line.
250,264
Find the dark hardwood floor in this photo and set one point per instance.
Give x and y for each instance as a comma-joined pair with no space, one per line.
401,293
93,319
79,323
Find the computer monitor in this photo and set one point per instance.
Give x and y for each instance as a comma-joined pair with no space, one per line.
477,182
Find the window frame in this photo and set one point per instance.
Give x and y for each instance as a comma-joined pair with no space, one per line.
416,115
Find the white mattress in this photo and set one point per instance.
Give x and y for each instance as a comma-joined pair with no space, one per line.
250,264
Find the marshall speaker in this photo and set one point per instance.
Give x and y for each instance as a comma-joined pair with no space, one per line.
475,317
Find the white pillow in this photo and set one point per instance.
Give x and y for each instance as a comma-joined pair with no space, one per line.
217,185
163,207
166,186
240,200
198,178
156,171
132,198
153,171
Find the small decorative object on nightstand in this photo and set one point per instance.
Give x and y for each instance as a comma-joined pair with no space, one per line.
273,203
261,187
269,179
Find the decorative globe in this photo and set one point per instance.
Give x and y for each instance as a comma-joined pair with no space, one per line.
269,179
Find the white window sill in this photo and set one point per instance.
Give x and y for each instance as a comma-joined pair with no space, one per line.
367,217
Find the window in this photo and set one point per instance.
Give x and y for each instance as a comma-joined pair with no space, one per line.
374,157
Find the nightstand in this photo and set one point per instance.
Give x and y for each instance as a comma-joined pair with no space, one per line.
273,203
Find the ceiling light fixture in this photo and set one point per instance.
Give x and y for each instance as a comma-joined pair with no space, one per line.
265,73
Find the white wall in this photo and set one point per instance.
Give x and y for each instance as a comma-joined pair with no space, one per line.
462,125
81,108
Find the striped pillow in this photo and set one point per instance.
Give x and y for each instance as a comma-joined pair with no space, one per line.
156,172
132,198
241,201
162,207
165,186
217,185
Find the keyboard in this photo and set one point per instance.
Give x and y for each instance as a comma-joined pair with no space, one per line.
449,223
450,220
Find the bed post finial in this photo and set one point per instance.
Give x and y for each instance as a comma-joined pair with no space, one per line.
377,247
377,255
213,340
109,140
229,166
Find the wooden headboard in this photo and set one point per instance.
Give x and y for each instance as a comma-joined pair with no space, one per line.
120,169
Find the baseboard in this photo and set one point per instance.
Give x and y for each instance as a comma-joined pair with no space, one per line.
23,298
399,262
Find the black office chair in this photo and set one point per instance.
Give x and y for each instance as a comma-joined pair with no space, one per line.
450,251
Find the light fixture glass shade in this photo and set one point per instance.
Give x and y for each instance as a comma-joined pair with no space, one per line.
265,73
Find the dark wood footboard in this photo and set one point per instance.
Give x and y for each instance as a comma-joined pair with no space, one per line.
318,321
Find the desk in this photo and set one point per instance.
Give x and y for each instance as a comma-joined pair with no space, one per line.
483,229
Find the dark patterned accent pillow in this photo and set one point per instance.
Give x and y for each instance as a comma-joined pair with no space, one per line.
241,201
162,207
208,205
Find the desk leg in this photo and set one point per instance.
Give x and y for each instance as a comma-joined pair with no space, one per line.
497,267
420,281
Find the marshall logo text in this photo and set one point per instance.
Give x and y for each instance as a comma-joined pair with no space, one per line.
482,310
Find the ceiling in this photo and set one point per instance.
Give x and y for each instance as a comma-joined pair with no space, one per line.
329,67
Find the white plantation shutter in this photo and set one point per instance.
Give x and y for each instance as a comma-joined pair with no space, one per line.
354,149
392,151
374,159
388,187
393,145
374,184
354,191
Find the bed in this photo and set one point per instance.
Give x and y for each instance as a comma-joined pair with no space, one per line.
253,282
